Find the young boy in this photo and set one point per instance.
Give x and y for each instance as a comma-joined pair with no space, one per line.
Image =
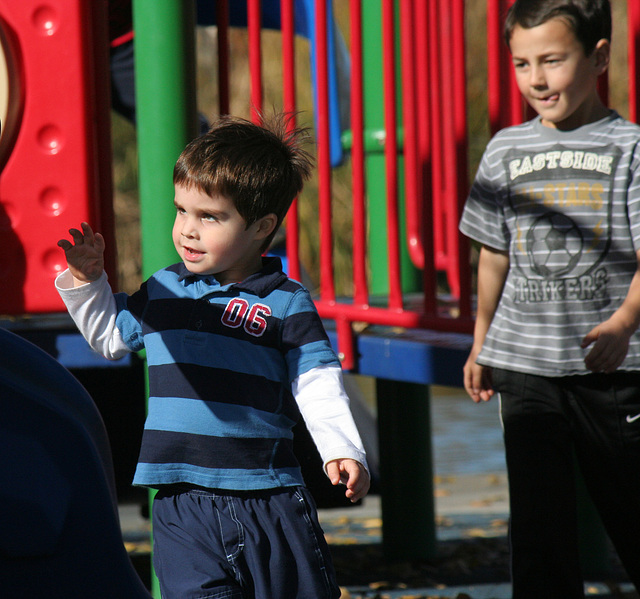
556,209
236,351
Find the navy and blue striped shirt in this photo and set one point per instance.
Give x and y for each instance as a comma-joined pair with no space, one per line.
221,361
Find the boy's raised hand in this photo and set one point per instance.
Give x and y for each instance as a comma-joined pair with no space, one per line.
352,474
85,256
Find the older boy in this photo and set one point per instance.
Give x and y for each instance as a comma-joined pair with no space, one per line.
556,209
236,351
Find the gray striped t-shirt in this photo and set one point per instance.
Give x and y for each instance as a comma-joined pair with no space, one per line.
566,206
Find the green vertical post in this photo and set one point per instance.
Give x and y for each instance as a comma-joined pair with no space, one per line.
406,471
375,181
165,113
374,124
166,122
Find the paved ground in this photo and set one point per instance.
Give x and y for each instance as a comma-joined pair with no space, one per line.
472,561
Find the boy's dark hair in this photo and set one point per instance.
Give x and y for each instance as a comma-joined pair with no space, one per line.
590,20
261,168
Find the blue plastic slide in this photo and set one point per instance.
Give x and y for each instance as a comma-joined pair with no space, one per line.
59,530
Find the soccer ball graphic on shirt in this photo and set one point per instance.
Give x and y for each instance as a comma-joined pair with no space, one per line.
554,245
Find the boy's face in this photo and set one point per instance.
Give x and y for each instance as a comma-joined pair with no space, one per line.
556,77
213,239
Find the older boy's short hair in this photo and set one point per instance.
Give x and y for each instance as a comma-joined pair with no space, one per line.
261,168
590,20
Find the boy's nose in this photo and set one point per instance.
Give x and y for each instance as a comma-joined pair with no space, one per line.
189,230
537,78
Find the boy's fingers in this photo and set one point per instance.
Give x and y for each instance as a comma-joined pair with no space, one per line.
359,490
87,232
587,340
333,472
351,474
605,358
473,385
78,237
468,380
99,242
468,383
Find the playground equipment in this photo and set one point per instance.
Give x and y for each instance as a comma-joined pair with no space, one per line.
406,152
54,150
408,159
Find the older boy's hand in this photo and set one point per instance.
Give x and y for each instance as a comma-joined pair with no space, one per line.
477,379
610,341
352,474
85,257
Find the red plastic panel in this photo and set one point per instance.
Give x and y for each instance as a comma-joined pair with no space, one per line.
51,176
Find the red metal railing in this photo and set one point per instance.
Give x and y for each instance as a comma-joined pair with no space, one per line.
360,296
633,44
505,103
425,147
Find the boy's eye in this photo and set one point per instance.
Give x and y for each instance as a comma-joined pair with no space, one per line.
209,217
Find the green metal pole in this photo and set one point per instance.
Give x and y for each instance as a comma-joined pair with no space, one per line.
166,115
406,471
166,122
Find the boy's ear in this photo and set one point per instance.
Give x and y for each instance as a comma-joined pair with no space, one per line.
266,225
602,55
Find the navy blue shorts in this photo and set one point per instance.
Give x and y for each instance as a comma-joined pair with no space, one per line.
265,544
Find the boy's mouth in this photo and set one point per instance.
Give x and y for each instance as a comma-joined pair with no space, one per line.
191,254
548,99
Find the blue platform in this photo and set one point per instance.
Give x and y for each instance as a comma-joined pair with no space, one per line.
416,356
